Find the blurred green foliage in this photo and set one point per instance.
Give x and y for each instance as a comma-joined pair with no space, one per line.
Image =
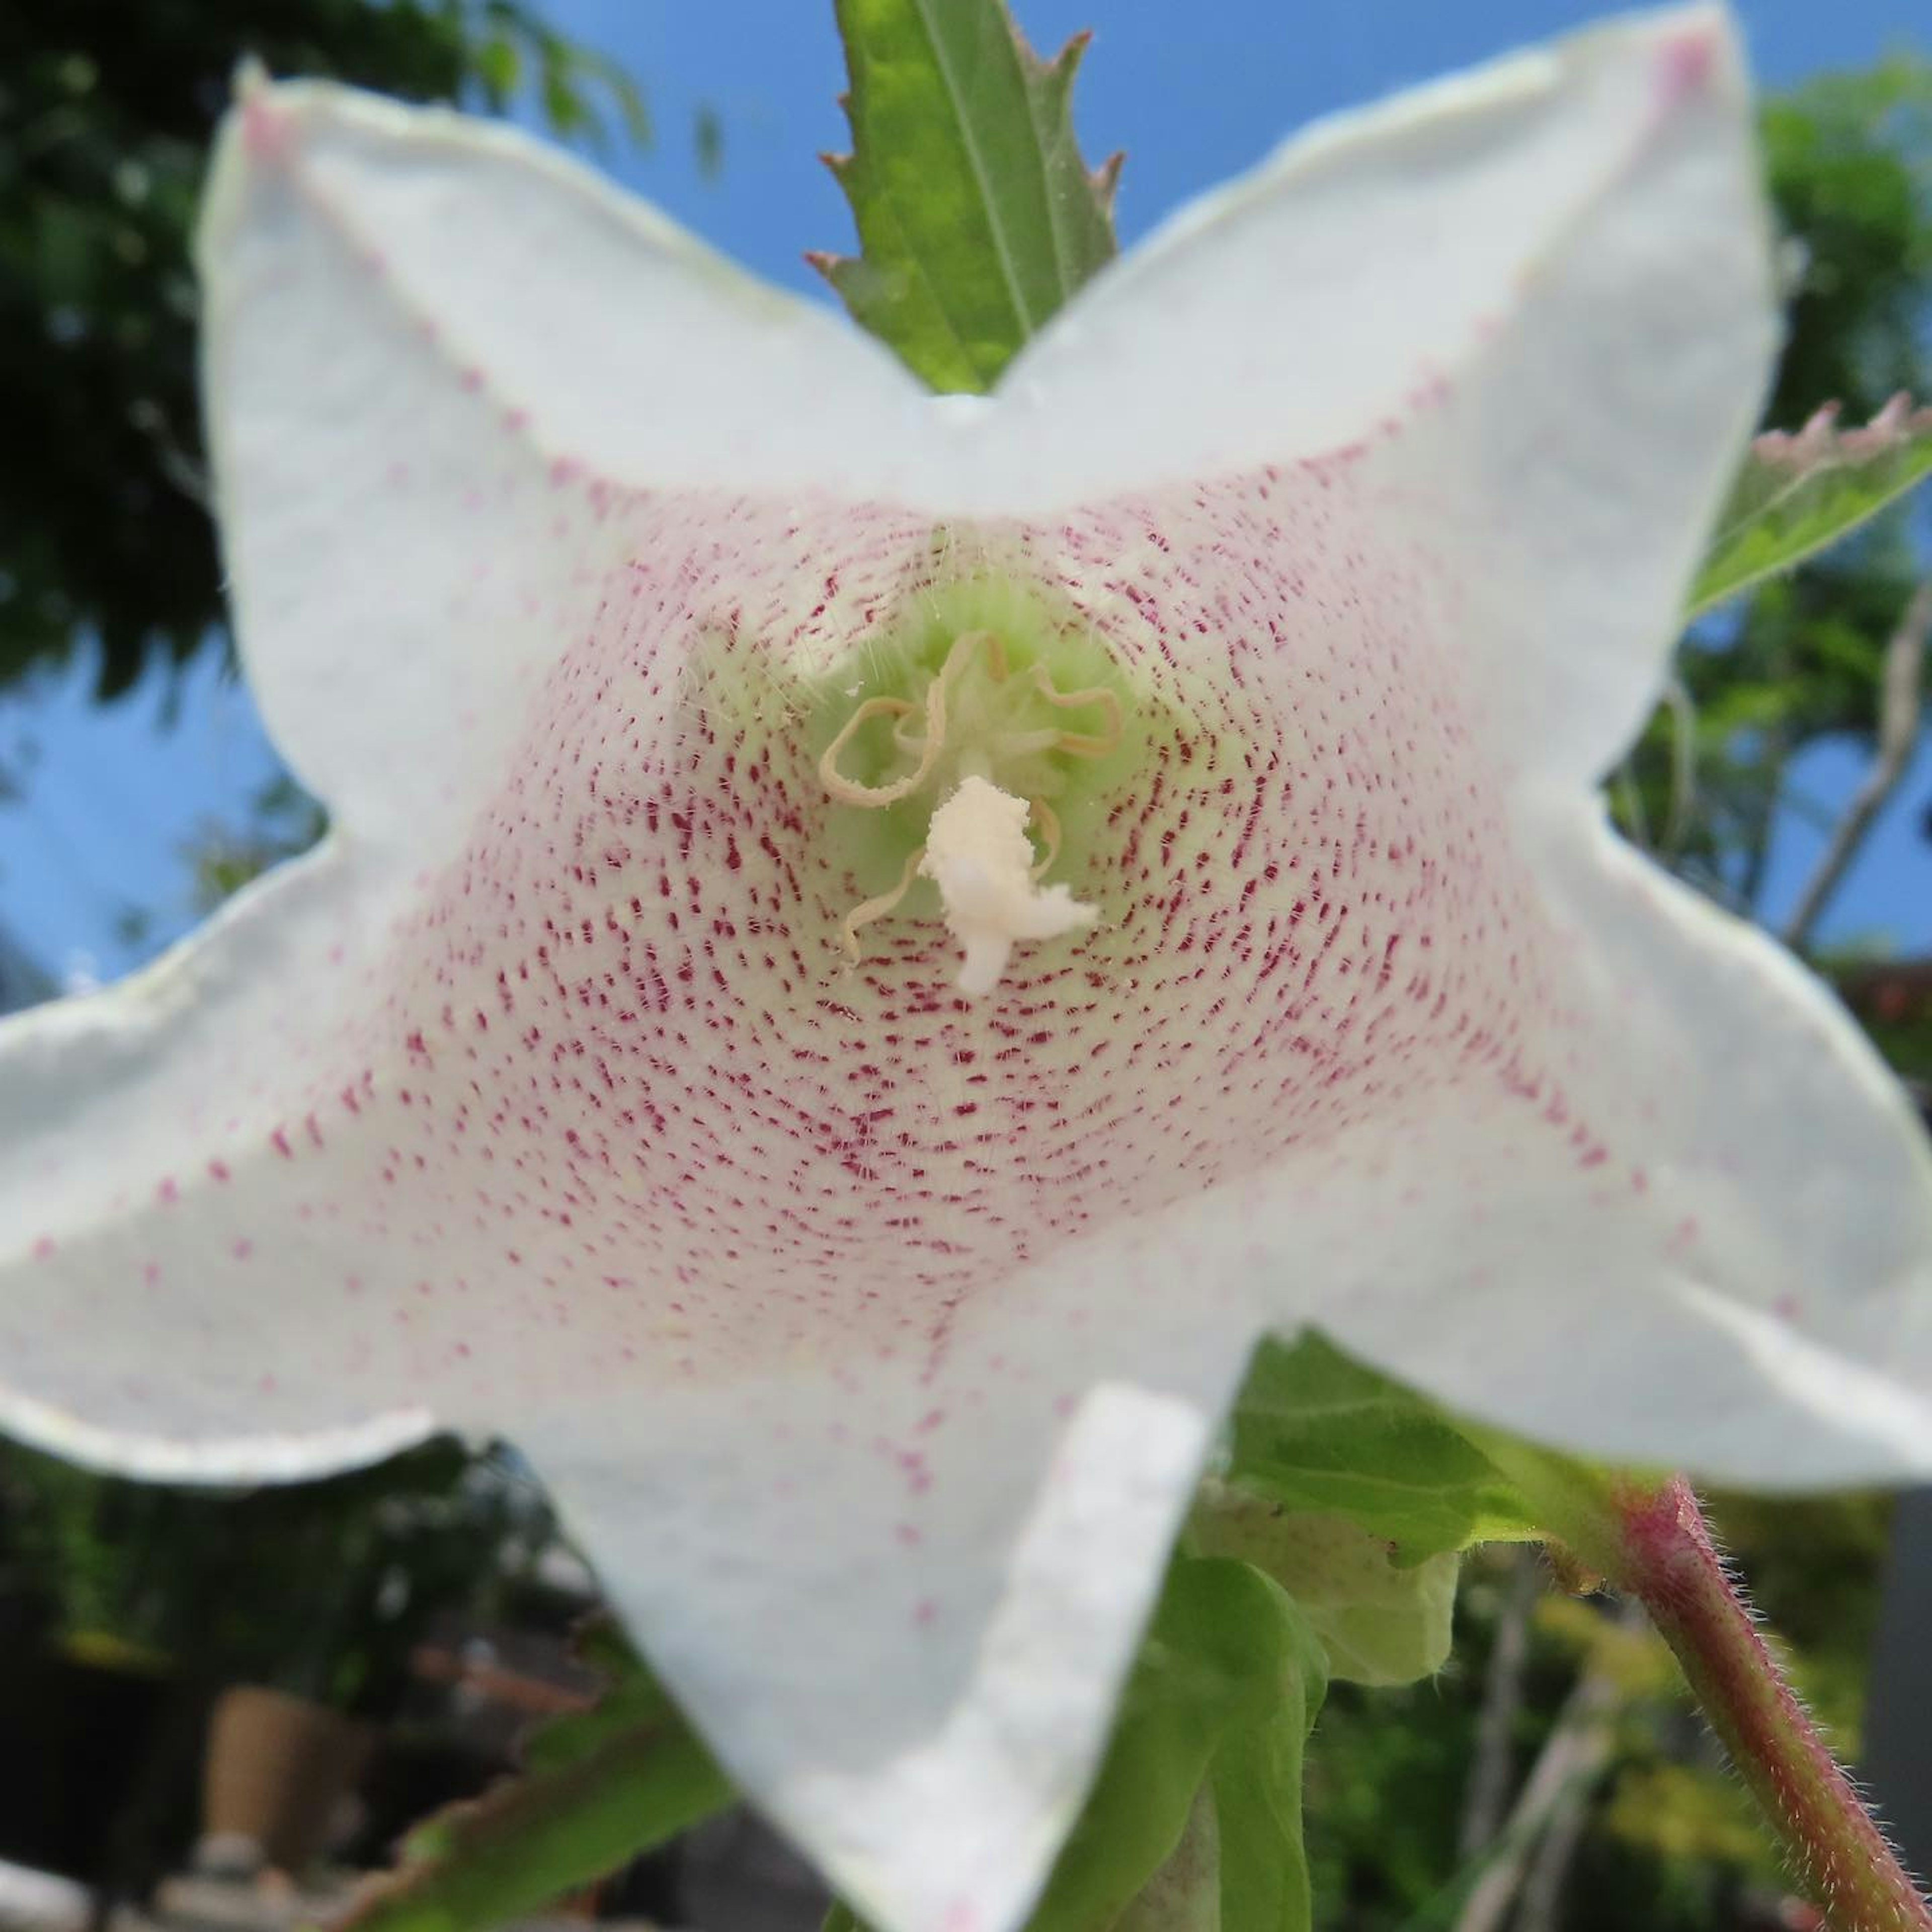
106,108
1848,160
320,1588
283,820
1849,157
1669,1840
598,1787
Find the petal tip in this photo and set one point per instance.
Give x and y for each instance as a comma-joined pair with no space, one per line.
1687,64
1697,55
267,129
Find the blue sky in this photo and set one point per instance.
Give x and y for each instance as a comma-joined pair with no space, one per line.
1193,93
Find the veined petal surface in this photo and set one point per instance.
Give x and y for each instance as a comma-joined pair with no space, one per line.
870,1336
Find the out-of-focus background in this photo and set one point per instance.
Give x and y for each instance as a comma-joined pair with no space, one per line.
214,1708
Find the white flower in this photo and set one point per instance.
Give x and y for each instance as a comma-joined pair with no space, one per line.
871,1334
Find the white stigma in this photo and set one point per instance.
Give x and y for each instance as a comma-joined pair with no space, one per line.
978,854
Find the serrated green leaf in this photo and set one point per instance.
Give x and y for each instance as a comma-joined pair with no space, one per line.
1799,493
1221,1699
977,218
599,1786
1313,1431
1380,1622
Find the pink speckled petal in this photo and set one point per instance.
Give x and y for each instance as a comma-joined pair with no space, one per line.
435,351
1424,1055
1547,281
870,1335
163,1310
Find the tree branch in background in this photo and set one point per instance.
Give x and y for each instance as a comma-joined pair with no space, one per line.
1754,836
1897,731
1489,1773
1573,1760
1542,1889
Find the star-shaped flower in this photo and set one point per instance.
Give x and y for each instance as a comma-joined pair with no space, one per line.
598,1083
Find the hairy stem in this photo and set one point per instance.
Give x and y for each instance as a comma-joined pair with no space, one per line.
1650,1541
1833,1849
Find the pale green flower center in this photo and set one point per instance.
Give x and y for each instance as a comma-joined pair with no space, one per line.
969,756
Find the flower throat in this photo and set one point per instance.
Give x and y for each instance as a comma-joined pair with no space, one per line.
965,758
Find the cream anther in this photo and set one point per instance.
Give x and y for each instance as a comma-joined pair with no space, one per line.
978,854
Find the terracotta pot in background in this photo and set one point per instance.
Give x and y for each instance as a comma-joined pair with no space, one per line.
277,1770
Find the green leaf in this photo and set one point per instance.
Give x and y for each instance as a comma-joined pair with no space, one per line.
499,67
977,217
1799,493
599,1786
1220,1701
1380,1622
1314,1432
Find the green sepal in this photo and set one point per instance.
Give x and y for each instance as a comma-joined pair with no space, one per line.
977,217
1312,1431
1258,1774
1220,1701
1799,493
599,1786
1380,1622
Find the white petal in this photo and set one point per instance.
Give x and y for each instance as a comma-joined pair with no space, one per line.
905,1638
1686,1222
1535,301
1420,1053
434,350
1781,1296
170,1199
590,1136
427,341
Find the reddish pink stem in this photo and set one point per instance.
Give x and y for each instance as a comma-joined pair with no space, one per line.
1835,1851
